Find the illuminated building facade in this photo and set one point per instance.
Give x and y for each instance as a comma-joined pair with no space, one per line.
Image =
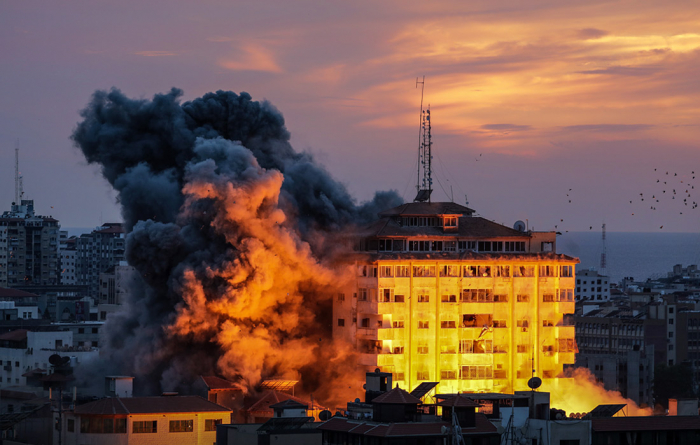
443,295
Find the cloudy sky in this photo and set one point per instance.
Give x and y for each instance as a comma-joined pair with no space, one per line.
531,101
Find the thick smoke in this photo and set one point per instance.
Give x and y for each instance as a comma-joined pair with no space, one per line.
232,233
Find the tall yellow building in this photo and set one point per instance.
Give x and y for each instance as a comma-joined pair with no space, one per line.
445,296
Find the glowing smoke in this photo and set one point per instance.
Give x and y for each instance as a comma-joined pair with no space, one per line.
230,233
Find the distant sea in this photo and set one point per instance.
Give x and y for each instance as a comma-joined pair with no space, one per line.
638,255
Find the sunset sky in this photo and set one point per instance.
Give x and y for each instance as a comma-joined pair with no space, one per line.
528,99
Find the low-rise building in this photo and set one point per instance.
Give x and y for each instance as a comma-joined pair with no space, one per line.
144,420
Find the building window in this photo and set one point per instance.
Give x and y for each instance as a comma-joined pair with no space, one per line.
81,330
484,246
670,321
448,324
502,271
399,298
423,298
364,323
146,426
181,426
450,221
476,372
523,298
449,271
386,271
565,271
475,347
341,322
423,375
448,375
423,271
548,271
71,425
466,245
524,271
422,349
402,271
500,298
548,298
523,348
499,323
423,325
362,295
477,320
387,295
210,424
449,299
341,296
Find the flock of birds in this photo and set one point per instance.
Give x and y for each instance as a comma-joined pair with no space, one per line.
672,190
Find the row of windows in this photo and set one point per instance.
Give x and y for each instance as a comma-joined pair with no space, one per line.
473,372
471,271
484,321
94,425
386,295
401,245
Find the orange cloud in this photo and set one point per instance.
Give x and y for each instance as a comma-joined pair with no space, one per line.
252,57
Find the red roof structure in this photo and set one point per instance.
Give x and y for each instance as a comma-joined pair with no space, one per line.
15,293
217,383
16,335
274,397
150,405
396,396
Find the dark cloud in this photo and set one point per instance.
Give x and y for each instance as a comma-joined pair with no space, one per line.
624,70
591,33
506,127
607,128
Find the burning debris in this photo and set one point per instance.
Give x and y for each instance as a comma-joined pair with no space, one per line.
231,231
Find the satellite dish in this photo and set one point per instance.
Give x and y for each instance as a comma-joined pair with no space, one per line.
65,360
56,360
377,370
500,430
534,383
325,415
357,400
519,226
443,429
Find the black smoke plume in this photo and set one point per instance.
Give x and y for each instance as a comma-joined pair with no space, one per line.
231,233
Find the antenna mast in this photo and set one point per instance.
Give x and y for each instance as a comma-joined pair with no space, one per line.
424,186
603,256
17,172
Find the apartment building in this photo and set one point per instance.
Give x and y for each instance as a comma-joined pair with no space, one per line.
97,252
590,285
445,296
28,247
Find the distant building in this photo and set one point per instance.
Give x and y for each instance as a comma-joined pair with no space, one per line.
28,247
144,420
97,252
592,286
23,353
115,284
68,256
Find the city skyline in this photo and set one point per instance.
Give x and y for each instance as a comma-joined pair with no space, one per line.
527,101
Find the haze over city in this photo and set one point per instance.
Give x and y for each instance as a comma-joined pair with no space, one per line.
530,102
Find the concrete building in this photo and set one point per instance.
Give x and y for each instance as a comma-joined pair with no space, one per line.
443,295
592,286
144,420
68,255
97,252
22,352
115,284
28,247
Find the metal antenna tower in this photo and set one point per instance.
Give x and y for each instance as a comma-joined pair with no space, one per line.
603,255
17,172
424,185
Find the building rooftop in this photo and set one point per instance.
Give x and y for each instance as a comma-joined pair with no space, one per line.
15,293
428,208
651,423
274,397
469,255
367,428
289,403
217,383
468,226
17,335
149,405
396,396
